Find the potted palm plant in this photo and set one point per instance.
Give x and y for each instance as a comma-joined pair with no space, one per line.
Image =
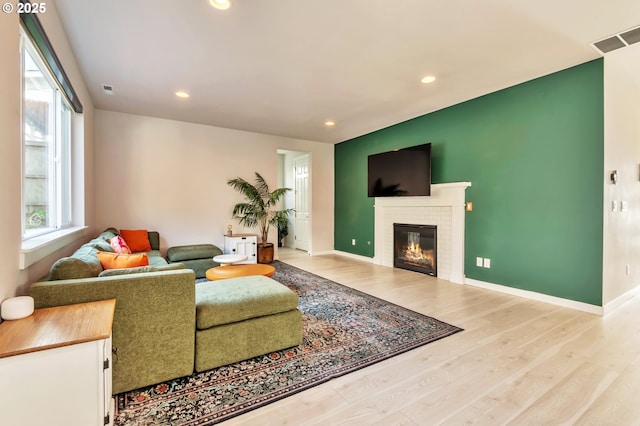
260,209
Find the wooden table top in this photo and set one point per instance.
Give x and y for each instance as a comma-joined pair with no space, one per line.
58,326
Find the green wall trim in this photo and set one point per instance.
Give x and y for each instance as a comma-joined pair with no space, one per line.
534,154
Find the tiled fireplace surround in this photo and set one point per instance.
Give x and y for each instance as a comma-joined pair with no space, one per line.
445,208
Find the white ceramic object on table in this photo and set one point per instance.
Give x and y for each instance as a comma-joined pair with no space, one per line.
16,308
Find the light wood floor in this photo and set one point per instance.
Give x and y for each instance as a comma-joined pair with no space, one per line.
517,362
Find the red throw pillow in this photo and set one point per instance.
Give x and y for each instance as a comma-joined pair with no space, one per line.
120,261
137,240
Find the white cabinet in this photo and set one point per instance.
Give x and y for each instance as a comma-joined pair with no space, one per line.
55,367
244,244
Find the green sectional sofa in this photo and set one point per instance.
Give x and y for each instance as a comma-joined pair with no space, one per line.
166,325
154,322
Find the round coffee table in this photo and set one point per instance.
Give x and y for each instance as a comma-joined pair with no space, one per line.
229,259
234,271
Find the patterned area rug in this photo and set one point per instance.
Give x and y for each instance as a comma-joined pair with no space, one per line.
344,330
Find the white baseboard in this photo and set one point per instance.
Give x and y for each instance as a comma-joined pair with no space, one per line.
572,304
353,256
621,299
558,301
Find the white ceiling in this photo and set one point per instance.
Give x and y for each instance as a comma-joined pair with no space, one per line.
284,67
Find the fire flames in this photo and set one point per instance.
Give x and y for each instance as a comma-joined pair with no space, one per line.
415,255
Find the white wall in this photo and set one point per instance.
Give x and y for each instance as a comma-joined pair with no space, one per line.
14,281
622,153
171,176
10,154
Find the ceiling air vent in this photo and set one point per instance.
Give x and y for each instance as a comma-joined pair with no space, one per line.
609,44
632,36
107,89
617,41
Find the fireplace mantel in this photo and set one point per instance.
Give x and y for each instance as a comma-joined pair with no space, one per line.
444,208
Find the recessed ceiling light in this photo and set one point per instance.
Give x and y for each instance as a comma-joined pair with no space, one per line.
183,95
428,79
220,4
329,123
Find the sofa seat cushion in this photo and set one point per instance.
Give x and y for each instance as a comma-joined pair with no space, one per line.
196,251
238,299
141,269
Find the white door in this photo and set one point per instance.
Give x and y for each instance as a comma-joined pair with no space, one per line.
303,214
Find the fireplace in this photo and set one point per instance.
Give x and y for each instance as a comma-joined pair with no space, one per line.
415,248
444,208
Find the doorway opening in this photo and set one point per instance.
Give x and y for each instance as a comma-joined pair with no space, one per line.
294,171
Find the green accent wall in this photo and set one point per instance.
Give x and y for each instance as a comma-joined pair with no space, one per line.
534,156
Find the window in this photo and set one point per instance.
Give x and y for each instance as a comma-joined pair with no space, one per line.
46,147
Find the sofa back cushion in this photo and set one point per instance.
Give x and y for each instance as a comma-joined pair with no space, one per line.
69,268
154,240
98,244
109,233
83,263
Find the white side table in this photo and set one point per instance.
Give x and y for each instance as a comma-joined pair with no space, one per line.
229,259
244,244
61,358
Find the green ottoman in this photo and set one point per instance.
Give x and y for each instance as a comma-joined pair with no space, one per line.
198,257
241,318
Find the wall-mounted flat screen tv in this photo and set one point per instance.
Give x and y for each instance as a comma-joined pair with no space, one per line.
401,173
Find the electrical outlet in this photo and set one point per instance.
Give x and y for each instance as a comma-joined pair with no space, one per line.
487,263
614,206
353,242
479,261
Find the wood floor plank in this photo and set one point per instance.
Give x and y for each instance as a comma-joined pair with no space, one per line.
294,410
618,405
568,401
396,419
